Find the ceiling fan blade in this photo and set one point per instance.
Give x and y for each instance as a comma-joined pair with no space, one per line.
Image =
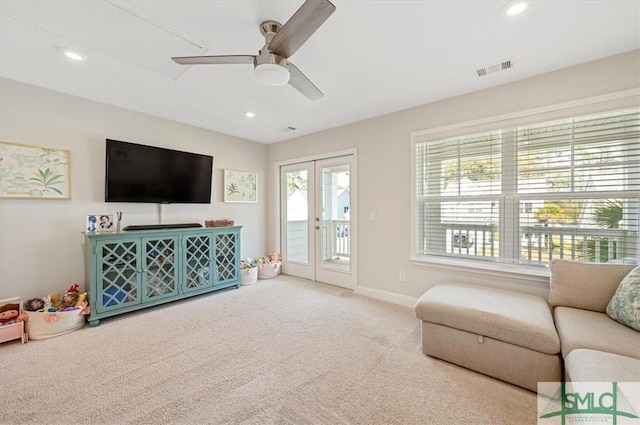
212,60
300,82
307,19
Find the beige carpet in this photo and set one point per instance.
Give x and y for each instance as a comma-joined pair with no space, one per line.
283,351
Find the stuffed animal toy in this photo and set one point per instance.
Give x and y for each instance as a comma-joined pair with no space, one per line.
34,304
55,301
82,300
69,301
274,257
73,299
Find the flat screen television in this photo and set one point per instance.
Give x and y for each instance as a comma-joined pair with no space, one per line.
140,173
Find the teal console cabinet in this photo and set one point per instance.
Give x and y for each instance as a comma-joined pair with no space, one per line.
127,271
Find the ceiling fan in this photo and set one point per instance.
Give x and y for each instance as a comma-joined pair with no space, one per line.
271,65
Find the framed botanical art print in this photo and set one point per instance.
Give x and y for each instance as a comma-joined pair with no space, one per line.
34,172
240,186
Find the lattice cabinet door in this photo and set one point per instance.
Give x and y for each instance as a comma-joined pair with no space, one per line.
197,260
160,267
120,274
227,255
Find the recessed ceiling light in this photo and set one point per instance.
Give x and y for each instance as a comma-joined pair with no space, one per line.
515,7
249,114
73,54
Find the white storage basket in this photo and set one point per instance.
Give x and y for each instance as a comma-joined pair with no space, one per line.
269,271
248,276
66,321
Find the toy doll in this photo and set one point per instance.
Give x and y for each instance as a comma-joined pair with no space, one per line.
10,314
8,317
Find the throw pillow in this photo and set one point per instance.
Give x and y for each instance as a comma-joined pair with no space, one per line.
624,307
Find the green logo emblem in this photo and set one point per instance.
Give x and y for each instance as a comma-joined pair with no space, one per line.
612,403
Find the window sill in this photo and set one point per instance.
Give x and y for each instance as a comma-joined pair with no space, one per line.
531,275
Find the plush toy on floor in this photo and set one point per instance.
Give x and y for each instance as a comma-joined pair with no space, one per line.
73,299
275,257
34,304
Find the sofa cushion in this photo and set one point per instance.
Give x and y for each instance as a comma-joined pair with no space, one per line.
589,329
584,365
624,307
585,285
507,316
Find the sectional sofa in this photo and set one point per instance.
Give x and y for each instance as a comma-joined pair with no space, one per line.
525,339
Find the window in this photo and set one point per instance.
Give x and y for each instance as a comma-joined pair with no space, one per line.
526,207
532,193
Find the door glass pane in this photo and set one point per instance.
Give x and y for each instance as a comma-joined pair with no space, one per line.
336,222
297,239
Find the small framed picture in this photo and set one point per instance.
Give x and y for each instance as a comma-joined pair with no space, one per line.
100,223
105,223
92,224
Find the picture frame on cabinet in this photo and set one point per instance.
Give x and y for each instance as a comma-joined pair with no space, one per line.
91,225
105,223
100,223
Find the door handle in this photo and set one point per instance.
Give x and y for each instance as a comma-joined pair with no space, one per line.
317,227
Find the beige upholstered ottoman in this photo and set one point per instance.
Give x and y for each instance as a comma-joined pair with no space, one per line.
504,334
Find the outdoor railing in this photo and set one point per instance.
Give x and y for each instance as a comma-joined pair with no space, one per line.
541,244
336,237
340,231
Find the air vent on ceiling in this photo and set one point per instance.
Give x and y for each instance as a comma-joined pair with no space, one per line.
490,69
288,129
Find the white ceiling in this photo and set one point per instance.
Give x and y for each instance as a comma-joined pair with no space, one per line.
369,58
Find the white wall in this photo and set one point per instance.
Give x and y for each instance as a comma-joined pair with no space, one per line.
41,245
384,170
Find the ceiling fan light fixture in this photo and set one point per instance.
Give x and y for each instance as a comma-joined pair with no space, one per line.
272,74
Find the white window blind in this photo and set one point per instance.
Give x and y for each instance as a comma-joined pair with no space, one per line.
529,194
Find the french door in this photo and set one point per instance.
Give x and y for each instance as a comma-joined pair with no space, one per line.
317,212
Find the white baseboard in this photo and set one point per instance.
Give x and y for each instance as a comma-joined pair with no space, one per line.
391,297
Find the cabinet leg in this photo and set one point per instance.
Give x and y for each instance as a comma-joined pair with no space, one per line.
94,323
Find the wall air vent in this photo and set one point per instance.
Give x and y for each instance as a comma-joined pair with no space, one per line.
288,129
490,69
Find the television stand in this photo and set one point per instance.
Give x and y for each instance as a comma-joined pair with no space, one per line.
129,271
161,226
